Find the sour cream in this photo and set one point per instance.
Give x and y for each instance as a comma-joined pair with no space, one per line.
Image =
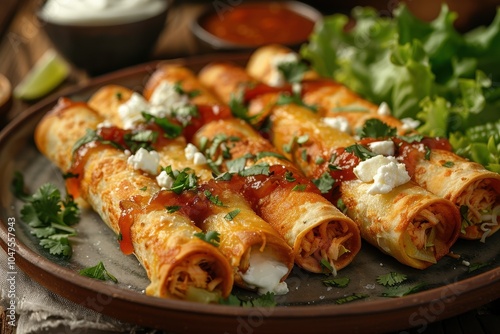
100,12
265,273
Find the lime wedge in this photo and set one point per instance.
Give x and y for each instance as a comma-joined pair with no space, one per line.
48,73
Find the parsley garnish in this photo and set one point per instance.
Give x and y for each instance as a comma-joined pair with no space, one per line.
324,183
319,160
360,151
49,216
98,272
238,107
289,176
464,212
340,282
230,216
179,90
212,237
391,279
448,164
91,136
351,298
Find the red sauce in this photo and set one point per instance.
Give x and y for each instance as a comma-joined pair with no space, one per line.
207,113
259,24
254,91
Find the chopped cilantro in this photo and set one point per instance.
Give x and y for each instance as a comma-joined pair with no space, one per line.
257,169
299,187
141,139
91,136
293,71
375,128
237,165
319,160
183,180
284,99
171,130
391,279
403,290
214,199
351,298
265,300
289,176
360,151
48,215
212,237
98,272
238,107
464,212
427,155
230,216
477,266
327,266
173,208
448,164
324,183
143,188
179,90
339,282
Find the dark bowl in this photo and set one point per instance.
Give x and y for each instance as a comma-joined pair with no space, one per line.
98,49
210,42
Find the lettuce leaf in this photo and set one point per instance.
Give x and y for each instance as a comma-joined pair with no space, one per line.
423,70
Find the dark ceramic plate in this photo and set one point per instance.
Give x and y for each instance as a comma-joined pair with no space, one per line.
310,306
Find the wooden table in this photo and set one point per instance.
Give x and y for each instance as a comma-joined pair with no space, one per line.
23,42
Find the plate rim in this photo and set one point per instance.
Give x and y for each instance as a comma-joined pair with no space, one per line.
481,289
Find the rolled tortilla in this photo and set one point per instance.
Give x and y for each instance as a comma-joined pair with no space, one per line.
383,210
178,264
315,229
470,186
212,205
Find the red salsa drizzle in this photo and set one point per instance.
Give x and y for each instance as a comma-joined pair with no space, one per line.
206,114
252,91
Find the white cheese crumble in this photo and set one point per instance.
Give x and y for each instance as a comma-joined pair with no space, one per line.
340,123
385,173
265,273
409,123
131,111
104,124
166,95
385,147
191,153
145,161
277,79
164,180
383,109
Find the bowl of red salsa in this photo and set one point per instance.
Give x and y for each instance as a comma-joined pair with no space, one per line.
248,25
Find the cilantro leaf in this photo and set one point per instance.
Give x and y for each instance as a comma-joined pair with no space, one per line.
265,300
239,108
293,71
230,215
351,298
171,130
324,183
360,151
339,282
257,169
98,272
284,99
212,237
214,199
185,179
375,128
403,290
391,279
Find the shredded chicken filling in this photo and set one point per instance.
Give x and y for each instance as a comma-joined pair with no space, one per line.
478,198
198,272
422,231
327,241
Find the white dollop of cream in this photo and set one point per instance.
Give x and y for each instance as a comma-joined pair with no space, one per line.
385,173
100,12
265,273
